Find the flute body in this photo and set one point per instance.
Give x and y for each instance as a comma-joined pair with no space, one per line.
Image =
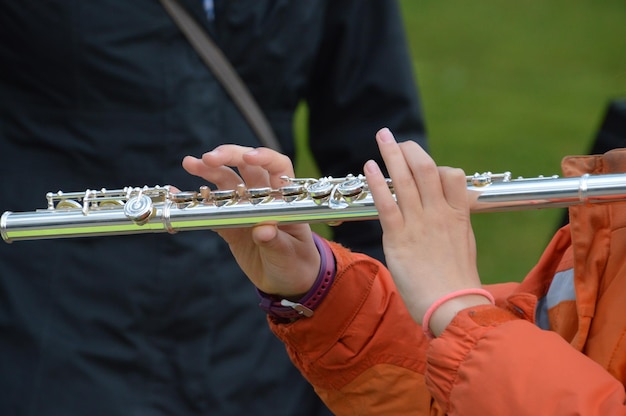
325,200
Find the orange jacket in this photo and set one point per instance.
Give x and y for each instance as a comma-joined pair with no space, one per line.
365,355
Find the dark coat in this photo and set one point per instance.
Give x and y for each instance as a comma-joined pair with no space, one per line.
108,94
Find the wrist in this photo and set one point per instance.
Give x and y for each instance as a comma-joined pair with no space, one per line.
444,314
288,309
443,310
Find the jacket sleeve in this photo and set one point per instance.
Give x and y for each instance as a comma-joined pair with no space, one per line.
492,362
361,350
362,80
363,354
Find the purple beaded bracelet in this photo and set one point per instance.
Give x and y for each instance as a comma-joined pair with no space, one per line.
285,310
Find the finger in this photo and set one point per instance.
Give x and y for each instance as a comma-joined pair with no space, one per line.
258,167
232,155
389,213
264,234
225,155
275,164
403,182
425,173
454,185
223,177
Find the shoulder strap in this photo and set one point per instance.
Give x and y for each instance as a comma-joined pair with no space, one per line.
223,71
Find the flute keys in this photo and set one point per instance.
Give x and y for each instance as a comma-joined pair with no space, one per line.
320,191
183,197
110,204
351,190
68,204
221,198
258,195
205,193
291,193
139,208
487,178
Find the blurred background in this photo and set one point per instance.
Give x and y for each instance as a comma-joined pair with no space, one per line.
512,86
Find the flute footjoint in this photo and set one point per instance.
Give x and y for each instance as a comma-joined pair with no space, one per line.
135,210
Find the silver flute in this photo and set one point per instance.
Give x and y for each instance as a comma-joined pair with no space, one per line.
134,210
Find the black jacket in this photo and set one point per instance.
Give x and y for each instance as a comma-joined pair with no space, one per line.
108,94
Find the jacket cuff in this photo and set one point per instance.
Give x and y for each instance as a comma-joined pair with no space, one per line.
332,316
448,352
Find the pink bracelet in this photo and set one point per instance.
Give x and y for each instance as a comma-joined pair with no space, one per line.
456,294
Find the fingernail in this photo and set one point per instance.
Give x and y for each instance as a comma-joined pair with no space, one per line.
371,167
385,136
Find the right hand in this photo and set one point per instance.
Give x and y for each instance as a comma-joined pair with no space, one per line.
427,235
280,260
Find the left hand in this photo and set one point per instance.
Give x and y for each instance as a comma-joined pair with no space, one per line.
279,260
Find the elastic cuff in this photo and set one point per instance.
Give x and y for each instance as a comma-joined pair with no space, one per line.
463,292
284,310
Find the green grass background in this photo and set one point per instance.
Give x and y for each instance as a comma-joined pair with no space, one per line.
511,86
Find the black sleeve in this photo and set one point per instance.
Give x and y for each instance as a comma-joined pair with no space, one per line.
363,81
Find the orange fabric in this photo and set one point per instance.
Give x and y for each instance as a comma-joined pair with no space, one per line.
343,350
365,356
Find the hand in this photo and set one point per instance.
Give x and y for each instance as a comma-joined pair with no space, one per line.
427,235
279,260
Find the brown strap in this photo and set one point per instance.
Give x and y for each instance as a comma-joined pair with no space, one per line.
224,72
